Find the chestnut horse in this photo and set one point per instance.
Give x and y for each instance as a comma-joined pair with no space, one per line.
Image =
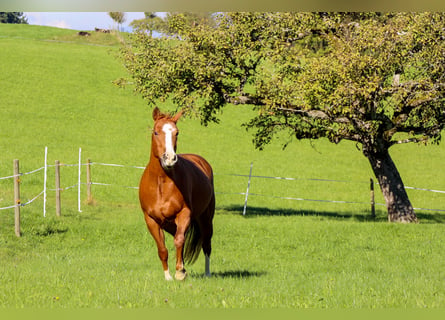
176,194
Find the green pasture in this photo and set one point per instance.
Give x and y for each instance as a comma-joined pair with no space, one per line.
57,92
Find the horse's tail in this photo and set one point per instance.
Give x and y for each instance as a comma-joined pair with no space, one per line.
193,242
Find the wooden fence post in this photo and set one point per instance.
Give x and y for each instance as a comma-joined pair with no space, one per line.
17,201
89,195
58,200
372,199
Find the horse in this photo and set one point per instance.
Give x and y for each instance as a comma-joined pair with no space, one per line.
177,195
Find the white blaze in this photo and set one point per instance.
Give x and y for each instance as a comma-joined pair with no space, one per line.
168,130
169,157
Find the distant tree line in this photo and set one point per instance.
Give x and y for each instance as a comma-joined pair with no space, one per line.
13,17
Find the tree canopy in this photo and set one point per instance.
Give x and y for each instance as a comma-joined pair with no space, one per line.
13,17
375,79
173,22
118,17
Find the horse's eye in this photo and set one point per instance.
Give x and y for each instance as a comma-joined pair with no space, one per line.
177,132
156,133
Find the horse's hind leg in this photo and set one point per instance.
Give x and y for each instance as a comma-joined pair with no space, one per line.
158,236
206,225
207,232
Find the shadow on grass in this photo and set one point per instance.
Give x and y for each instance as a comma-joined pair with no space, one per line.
253,212
430,217
45,231
234,274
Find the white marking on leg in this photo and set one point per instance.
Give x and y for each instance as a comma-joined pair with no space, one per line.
167,275
207,259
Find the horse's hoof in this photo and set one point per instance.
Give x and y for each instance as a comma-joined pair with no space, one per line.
167,275
180,274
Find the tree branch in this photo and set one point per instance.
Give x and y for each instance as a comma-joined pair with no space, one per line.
244,99
416,140
315,114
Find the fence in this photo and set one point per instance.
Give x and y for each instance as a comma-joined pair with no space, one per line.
372,202
17,180
18,203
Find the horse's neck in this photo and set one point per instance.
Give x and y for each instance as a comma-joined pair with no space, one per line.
154,160
156,169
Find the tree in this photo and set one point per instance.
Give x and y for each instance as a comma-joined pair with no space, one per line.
182,22
150,23
118,17
173,23
375,79
13,17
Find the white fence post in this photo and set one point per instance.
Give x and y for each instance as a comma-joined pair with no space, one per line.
44,182
78,182
247,191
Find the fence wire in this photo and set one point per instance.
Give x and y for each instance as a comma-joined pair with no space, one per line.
29,201
217,192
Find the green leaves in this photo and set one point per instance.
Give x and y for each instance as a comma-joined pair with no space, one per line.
357,76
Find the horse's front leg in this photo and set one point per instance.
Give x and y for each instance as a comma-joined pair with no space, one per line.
158,236
182,224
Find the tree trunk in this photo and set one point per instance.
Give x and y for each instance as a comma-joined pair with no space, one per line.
397,201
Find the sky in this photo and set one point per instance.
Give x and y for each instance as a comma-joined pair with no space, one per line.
85,21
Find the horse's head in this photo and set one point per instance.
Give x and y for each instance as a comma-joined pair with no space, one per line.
164,137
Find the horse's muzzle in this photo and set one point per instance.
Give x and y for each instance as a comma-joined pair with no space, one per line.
168,160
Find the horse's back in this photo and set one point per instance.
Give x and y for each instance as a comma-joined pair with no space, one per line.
201,163
200,194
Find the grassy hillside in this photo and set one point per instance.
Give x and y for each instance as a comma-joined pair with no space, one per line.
42,33
57,91
60,94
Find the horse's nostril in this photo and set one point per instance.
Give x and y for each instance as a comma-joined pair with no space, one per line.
168,160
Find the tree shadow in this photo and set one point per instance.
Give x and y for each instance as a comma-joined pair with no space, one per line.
430,217
381,216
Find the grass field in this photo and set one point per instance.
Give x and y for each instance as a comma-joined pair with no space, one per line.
283,253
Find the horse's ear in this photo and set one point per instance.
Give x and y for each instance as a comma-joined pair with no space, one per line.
156,113
177,116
